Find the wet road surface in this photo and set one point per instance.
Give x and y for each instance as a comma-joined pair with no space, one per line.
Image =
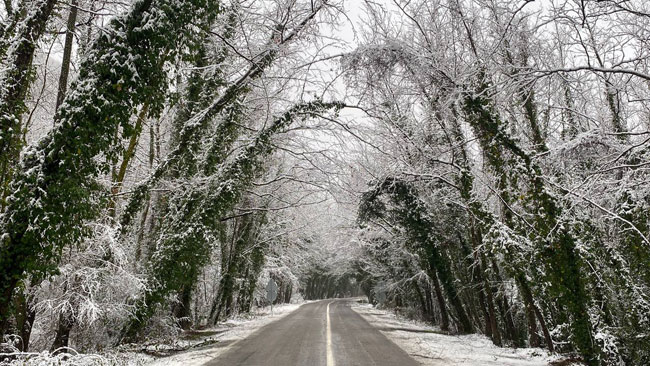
323,333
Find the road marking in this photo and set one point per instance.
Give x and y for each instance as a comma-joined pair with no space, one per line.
330,354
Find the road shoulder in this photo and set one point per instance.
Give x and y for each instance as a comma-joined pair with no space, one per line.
226,335
430,347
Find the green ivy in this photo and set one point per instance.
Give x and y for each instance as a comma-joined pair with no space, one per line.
56,191
187,245
412,214
556,244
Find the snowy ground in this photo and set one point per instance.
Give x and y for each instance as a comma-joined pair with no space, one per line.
204,345
424,343
432,348
225,334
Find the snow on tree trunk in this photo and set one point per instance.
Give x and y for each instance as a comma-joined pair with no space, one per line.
55,190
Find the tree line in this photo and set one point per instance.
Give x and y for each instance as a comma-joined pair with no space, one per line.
507,172
130,196
480,164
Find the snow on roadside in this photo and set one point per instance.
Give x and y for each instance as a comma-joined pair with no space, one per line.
218,338
430,347
226,335
45,358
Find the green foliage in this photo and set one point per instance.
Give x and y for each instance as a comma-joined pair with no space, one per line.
412,215
253,263
56,191
556,244
194,127
185,246
18,44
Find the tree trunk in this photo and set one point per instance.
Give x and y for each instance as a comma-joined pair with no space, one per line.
15,83
62,339
442,305
26,322
428,291
25,314
5,304
226,288
422,300
496,334
118,177
440,264
533,314
504,307
542,323
67,54
182,310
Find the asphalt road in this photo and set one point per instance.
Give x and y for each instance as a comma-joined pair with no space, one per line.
323,333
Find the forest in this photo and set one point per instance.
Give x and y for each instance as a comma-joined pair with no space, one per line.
479,165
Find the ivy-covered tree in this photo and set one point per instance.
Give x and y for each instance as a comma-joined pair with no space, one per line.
184,246
412,215
18,44
56,190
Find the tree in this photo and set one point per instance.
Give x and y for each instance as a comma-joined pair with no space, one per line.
186,243
55,189
19,42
